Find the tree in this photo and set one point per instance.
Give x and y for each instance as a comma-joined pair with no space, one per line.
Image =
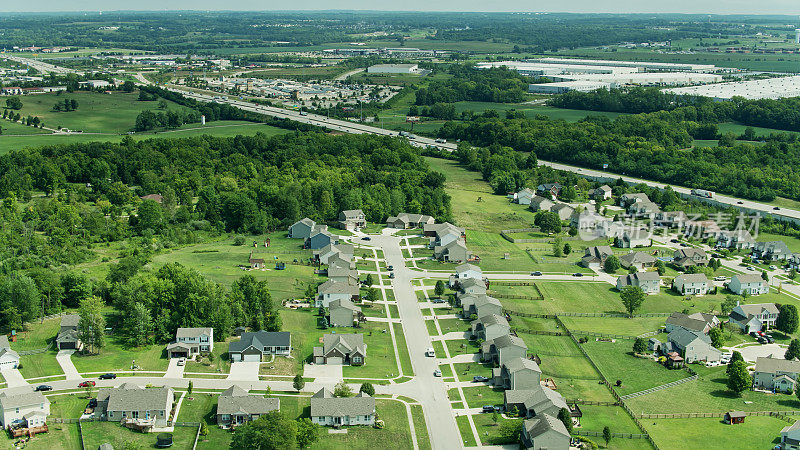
793,352
203,429
661,268
255,301
787,319
567,249
439,289
730,302
558,249
548,222
139,325
92,324
369,281
793,274
612,264
495,417
190,388
632,297
739,379
639,346
298,383
735,357
565,417
764,276
307,432
272,431
342,390
607,435
14,103
128,86
368,389
717,340
510,431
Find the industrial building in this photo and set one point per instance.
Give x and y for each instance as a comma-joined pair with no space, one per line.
566,86
549,70
393,68
771,88
642,66
647,78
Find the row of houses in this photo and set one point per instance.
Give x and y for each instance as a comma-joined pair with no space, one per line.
514,372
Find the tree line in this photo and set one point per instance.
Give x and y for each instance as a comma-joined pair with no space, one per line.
467,83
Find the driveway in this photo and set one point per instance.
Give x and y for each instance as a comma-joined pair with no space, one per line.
751,352
323,373
64,358
245,371
174,370
13,378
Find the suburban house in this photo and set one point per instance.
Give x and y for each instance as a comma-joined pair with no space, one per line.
28,407
480,305
691,284
135,406
702,229
754,317
190,342
689,256
335,290
342,274
601,193
595,257
649,282
693,346
489,327
503,349
748,284
671,219
790,437
9,359
634,238
535,402
442,233
737,239
771,251
236,407
342,411
544,432
517,374
524,196
626,200
352,219
323,255
453,251
406,220
320,238
640,260
794,261
540,203
563,210
464,272
551,190
689,323
253,345
776,374
302,229
586,220
472,286
644,209
341,349
341,261
68,337
343,313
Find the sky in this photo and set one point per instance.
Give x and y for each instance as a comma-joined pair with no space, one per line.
602,6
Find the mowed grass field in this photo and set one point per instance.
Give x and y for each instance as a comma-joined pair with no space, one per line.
755,433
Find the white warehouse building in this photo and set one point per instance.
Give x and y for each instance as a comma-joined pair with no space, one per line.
770,88
649,78
540,69
642,66
393,68
566,86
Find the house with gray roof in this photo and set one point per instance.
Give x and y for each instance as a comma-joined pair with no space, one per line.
524,196
693,346
409,220
601,193
480,305
327,410
587,220
472,286
649,282
352,219
771,251
790,437
692,284
302,229
336,290
15,404
190,342
503,349
754,316
236,407
626,200
254,345
343,274
640,260
649,209
135,406
794,261
748,284
517,374
320,237
341,261
681,320
545,432
563,210
438,230
68,337
341,349
551,190
595,257
489,327
465,271
776,374
535,402
343,313
736,239
671,219
634,238
689,256
453,251
539,203
324,254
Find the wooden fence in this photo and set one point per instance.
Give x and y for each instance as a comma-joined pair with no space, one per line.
514,296
603,335
613,435
712,415
658,388
537,332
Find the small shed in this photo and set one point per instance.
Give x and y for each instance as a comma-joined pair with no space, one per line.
734,417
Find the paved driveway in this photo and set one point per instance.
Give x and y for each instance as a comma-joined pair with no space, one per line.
13,378
64,358
174,370
246,371
323,373
751,352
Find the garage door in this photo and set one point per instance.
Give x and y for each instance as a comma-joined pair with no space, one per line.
67,346
334,360
180,355
252,358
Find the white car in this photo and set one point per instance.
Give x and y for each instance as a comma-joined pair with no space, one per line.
182,362
430,352
437,373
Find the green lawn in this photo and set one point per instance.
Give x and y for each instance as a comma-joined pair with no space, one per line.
40,365
488,430
757,432
614,325
219,364
560,357
37,335
478,396
453,325
59,437
466,431
402,349
202,408
564,297
465,371
420,428
97,433
595,418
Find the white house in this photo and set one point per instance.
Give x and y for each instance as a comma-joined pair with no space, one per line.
748,284
9,359
191,341
649,282
342,411
776,374
634,238
26,406
790,437
467,270
691,284
754,317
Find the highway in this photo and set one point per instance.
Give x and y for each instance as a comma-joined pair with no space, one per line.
41,66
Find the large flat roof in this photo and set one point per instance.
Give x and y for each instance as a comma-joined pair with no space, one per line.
771,88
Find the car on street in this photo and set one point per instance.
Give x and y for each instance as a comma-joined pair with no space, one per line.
390,268
577,274
762,340
777,208
488,408
773,267
391,275
44,387
437,373
430,352
438,300
674,241
479,379
740,202
769,339
108,376
536,274
88,383
366,238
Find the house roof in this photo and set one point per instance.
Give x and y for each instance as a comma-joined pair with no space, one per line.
439,227
773,247
538,201
337,287
632,279
506,341
130,397
261,339
537,399
683,337
692,278
517,364
70,320
179,345
636,234
324,404
745,278
341,271
774,365
193,332
467,266
4,341
352,214
345,343
236,400
343,304
690,252
305,221
491,319
68,336
22,399
684,321
560,206
544,423
599,251
636,196
638,258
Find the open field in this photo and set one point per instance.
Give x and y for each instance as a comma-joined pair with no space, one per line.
97,433
756,432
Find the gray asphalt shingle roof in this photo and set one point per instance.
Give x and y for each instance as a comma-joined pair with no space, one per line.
324,404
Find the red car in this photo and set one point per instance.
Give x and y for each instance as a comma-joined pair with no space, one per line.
86,384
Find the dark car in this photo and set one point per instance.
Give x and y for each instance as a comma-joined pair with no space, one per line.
577,274
740,203
762,340
769,339
674,241
479,379
536,274
44,387
776,208
391,268
93,403
437,300
488,408
108,376
87,383
391,275
366,238
754,334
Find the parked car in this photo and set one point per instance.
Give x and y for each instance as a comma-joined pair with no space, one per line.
391,275
720,278
88,383
674,241
92,403
44,387
488,408
740,202
437,373
430,352
182,362
479,379
724,361
754,334
577,274
773,267
366,238
776,208
762,340
438,300
769,339
761,333
536,274
390,268
108,376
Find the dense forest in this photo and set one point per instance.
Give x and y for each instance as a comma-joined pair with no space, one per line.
498,85
782,114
